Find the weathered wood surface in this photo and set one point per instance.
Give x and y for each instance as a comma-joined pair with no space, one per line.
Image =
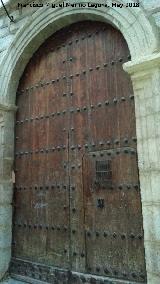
77,196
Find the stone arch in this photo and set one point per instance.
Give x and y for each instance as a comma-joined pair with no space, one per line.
132,23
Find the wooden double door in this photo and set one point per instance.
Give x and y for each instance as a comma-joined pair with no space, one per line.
77,204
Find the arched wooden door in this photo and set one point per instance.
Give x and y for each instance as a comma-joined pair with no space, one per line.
77,204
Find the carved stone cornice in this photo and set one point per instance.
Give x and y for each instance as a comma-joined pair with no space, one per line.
142,66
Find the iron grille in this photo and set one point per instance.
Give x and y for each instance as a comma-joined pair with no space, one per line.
104,173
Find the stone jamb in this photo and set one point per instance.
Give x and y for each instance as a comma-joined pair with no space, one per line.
6,193
145,76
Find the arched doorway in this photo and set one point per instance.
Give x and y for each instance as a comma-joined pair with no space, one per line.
77,196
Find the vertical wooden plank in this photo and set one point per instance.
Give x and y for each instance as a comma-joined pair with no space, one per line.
109,230
43,205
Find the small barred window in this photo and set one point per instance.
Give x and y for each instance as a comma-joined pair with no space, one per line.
104,172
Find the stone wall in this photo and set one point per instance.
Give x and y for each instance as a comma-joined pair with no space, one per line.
141,29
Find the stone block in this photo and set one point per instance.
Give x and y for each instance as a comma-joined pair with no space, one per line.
7,150
150,4
149,184
4,32
6,170
148,106
5,215
5,255
5,237
151,222
153,152
142,132
147,127
8,136
5,42
149,153
157,18
152,252
6,193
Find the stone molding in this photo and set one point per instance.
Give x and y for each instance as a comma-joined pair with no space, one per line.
143,65
45,21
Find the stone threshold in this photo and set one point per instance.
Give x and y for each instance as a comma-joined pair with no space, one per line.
12,281
19,279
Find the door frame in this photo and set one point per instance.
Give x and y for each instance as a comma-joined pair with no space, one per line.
143,70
